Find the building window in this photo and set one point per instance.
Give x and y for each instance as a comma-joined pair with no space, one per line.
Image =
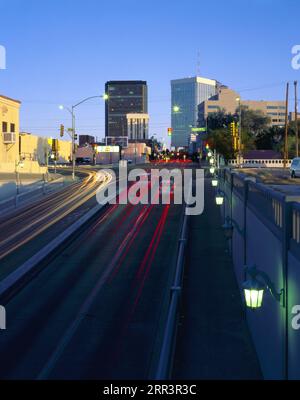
213,107
272,107
4,127
12,128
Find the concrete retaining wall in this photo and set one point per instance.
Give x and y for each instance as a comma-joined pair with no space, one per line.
272,243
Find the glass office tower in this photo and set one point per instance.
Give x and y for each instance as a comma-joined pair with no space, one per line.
186,94
124,97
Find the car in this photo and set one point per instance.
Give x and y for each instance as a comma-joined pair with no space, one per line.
295,167
83,160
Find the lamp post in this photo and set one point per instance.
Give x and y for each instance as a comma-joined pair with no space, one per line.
71,111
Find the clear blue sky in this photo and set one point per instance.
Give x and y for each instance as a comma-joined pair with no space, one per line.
61,51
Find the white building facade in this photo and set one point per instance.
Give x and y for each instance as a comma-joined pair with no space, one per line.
137,126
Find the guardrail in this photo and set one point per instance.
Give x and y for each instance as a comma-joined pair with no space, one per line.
165,363
272,163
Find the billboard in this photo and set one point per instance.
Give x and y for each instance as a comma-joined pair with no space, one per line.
108,149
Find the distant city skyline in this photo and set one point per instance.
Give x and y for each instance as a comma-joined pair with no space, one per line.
58,53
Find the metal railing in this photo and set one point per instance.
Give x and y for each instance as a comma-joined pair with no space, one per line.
271,163
267,202
165,363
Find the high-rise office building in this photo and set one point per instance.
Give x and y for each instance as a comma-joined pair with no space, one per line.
186,94
124,97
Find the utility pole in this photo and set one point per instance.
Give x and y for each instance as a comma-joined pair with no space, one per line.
240,132
296,119
286,150
73,144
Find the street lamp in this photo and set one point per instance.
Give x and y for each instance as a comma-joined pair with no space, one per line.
214,182
212,170
71,111
253,292
254,288
228,227
219,198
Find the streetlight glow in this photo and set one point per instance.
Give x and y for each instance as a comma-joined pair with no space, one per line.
176,109
219,199
253,292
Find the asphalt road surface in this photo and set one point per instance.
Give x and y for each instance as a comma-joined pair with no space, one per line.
97,309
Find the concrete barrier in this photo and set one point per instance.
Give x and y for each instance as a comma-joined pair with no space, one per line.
19,277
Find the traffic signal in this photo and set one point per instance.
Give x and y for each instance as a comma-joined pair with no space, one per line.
75,136
170,130
232,128
235,143
62,130
55,145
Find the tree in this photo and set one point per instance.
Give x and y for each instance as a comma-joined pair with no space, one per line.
219,134
254,121
221,140
270,138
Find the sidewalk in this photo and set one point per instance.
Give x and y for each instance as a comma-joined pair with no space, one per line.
213,339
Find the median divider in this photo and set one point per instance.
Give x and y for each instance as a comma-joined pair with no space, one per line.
166,355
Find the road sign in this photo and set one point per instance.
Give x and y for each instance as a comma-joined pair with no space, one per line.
198,129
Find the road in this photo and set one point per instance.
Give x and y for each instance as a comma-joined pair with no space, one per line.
270,176
97,309
21,226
